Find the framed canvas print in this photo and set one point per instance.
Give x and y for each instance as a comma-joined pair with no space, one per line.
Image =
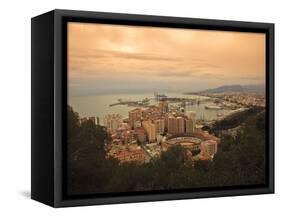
131,108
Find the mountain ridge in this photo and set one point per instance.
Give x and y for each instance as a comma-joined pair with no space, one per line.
236,88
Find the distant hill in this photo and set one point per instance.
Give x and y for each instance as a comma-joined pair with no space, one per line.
259,89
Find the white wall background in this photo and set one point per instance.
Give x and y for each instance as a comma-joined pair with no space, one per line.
15,106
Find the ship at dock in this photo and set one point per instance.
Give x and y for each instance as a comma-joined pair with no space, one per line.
213,107
142,103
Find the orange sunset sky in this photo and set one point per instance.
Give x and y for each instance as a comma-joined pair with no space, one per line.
105,58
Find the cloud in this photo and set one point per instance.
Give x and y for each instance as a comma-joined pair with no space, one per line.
95,54
187,73
162,56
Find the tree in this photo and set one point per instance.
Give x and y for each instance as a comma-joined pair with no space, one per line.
239,161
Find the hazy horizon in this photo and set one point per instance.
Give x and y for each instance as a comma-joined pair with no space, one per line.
142,91
104,59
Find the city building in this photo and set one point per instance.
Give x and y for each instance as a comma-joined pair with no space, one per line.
128,137
189,126
134,116
137,124
208,149
133,155
160,126
164,106
95,120
166,117
123,154
140,134
181,125
124,127
192,115
150,129
176,125
172,125
112,122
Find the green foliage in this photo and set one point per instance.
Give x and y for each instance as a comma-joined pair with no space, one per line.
174,157
195,152
236,119
260,124
239,161
243,161
87,167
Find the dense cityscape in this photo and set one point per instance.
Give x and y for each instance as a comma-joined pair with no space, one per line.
150,130
155,108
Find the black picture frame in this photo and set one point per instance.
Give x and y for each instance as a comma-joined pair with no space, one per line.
49,100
